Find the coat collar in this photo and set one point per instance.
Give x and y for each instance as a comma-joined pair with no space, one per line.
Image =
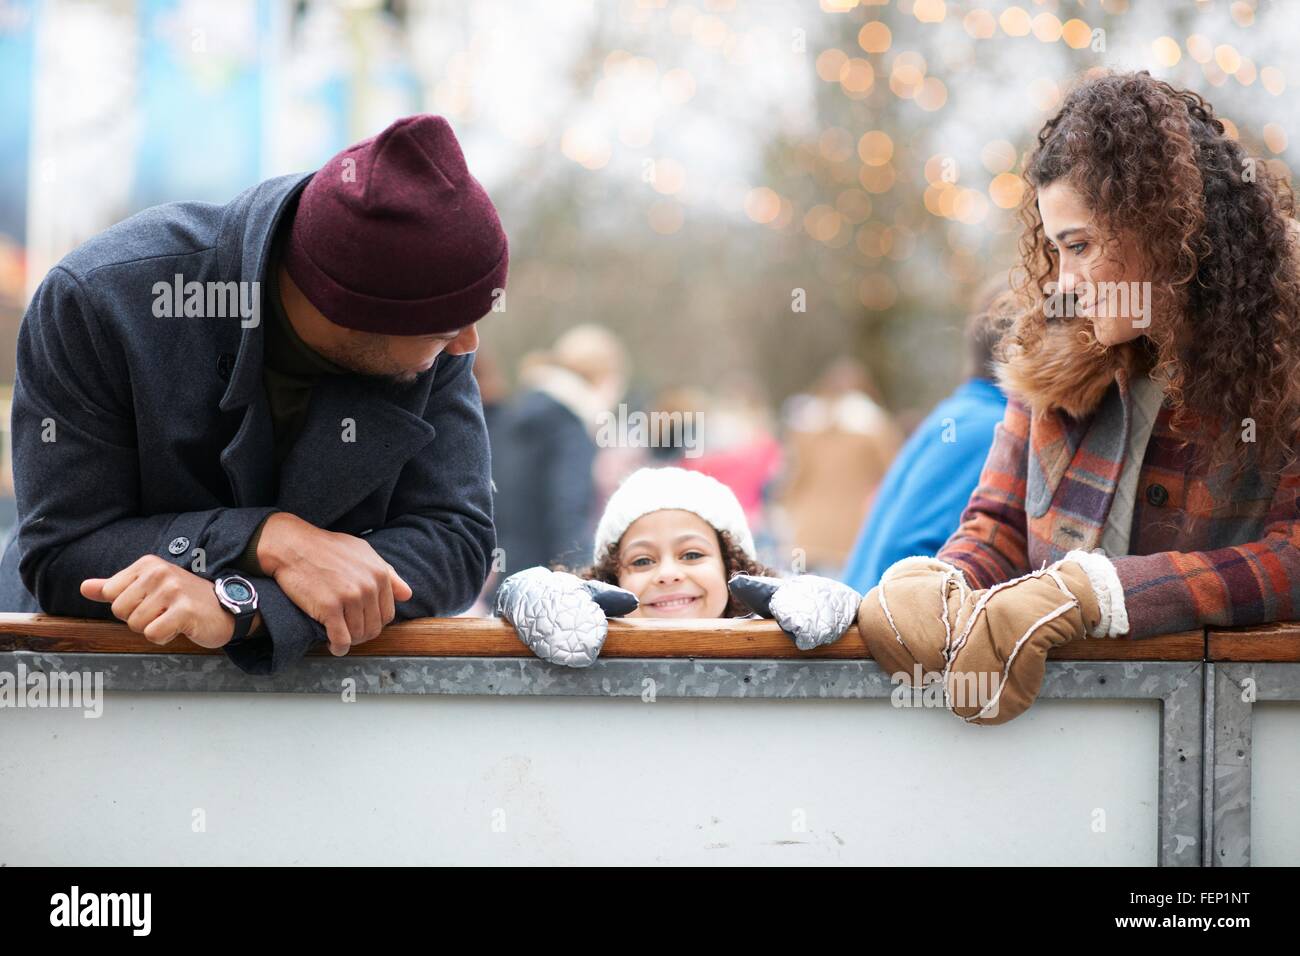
356,436
243,248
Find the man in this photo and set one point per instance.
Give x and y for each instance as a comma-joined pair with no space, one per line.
921,499
256,425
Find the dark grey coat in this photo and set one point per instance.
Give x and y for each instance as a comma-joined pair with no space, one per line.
542,464
162,436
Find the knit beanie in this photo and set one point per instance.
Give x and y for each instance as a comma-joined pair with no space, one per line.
394,236
660,489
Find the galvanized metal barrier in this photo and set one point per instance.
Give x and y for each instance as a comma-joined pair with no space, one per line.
1248,666
720,659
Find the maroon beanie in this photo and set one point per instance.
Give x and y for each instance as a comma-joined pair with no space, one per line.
393,235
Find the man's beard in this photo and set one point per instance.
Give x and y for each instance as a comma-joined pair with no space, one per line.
372,363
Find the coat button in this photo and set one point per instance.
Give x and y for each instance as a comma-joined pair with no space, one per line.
1157,495
178,545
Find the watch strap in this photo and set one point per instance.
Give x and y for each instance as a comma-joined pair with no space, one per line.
242,613
243,624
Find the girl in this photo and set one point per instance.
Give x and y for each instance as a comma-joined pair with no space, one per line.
671,544
1147,453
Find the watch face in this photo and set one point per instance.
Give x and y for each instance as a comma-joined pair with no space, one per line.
237,591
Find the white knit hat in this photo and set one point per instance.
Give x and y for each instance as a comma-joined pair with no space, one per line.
659,489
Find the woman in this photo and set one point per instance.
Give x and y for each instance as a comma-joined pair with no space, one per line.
1146,461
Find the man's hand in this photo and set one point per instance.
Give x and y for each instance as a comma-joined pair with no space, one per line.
337,579
162,601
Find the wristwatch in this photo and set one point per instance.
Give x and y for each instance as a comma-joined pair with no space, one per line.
238,596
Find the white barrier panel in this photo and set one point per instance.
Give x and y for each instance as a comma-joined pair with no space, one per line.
308,779
1275,784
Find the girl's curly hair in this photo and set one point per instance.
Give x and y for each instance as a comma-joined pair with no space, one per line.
1213,225
734,561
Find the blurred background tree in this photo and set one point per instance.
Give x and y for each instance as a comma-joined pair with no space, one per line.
744,191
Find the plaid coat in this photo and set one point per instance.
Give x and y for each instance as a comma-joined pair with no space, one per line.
1204,550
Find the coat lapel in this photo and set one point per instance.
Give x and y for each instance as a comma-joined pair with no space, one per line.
356,436
249,460
354,440
243,249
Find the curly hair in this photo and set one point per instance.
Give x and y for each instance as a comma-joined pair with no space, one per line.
734,561
1213,225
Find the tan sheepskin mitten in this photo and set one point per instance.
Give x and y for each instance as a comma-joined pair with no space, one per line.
993,646
907,619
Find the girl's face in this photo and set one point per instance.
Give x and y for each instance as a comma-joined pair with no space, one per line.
672,561
1102,271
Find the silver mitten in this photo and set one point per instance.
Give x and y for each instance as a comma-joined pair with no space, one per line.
559,616
811,609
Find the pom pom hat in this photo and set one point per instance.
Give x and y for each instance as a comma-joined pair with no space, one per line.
659,489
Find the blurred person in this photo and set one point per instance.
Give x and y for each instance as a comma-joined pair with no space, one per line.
671,544
907,420
544,449
839,444
736,443
1144,479
616,460
680,405
920,502
493,388
299,464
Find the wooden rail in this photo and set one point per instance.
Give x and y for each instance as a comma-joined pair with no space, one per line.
1265,642
491,637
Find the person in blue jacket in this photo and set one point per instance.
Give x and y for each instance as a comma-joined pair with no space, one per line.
921,499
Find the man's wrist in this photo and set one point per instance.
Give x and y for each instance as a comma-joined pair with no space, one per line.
248,562
254,628
227,619
268,553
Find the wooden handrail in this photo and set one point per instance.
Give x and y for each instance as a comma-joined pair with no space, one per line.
491,637
1264,642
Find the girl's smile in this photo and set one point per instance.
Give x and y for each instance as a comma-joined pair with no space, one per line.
672,602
